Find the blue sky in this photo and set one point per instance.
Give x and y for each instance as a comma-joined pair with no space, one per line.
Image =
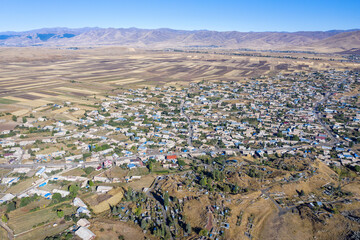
221,15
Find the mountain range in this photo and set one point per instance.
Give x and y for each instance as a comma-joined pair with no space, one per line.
323,41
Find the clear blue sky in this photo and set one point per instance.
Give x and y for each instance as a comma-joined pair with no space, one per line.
221,15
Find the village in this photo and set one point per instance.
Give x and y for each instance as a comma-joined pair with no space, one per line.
211,142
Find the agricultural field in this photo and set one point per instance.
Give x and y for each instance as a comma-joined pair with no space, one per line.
42,76
22,220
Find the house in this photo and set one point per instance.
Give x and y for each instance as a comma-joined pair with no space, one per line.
171,157
83,222
10,180
79,203
103,189
40,172
83,210
129,179
6,198
85,234
101,179
62,192
107,163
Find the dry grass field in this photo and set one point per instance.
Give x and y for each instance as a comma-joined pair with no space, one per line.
269,222
21,186
45,230
3,234
21,220
101,203
106,229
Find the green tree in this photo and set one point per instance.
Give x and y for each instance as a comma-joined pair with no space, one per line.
236,188
114,210
150,166
203,232
60,213
4,218
56,198
143,224
226,188
188,228
138,211
167,234
14,118
11,206
25,201
91,183
88,170
203,182
301,193
181,163
166,199
73,189
69,236
129,194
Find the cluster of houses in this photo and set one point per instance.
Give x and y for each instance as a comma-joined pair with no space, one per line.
277,113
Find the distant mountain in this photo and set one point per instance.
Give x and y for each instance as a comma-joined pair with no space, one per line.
168,38
342,42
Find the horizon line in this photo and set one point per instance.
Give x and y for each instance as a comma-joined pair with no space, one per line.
160,28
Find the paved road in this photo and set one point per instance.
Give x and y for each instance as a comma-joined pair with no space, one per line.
334,140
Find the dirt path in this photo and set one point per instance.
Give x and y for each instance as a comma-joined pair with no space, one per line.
8,230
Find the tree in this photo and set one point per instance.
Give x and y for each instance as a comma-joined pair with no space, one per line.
203,232
56,198
73,189
14,118
91,183
69,236
138,211
166,199
188,228
226,188
143,224
150,166
60,213
24,119
301,193
236,188
88,170
203,182
114,210
4,218
181,163
25,201
11,206
129,194
167,234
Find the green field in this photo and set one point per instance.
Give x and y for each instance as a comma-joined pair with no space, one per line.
7,101
43,231
21,186
29,220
